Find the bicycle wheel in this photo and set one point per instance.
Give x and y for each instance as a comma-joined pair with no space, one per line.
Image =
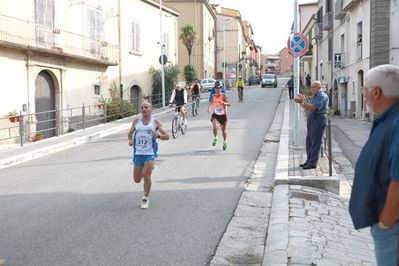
175,125
183,127
194,106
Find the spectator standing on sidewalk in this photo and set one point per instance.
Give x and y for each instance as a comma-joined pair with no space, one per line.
317,110
374,200
142,136
308,80
290,85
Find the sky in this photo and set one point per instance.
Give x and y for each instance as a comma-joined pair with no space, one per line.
271,20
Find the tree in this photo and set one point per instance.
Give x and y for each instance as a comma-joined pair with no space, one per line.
171,75
188,35
189,74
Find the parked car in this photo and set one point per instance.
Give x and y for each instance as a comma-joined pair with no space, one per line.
253,80
207,84
269,80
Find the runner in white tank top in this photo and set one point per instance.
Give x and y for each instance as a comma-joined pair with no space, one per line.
145,131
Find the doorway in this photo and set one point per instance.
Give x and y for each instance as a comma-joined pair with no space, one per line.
135,98
45,105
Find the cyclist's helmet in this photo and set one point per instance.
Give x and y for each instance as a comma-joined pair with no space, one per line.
217,84
179,86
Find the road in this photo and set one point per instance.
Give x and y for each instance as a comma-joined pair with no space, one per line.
80,206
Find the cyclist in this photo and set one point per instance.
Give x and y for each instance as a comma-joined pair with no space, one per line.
240,88
142,136
213,90
196,88
218,106
179,96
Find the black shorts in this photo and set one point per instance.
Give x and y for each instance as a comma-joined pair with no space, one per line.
222,119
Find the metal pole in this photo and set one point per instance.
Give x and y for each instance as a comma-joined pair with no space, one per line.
120,51
296,78
224,53
21,128
329,147
162,62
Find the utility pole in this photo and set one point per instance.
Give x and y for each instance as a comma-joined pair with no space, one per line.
296,79
120,58
162,57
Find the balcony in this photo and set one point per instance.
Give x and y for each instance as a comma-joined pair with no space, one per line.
359,51
339,12
327,21
318,32
29,36
351,5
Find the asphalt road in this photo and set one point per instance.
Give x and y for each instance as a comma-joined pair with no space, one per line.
80,206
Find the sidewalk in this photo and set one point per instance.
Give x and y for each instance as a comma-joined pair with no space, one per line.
309,225
16,154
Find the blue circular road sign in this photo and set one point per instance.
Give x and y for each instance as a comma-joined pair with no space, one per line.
298,44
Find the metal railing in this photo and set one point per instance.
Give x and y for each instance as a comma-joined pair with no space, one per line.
36,126
326,146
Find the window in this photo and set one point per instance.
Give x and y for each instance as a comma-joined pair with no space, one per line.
97,90
44,18
167,45
359,37
95,29
135,37
359,32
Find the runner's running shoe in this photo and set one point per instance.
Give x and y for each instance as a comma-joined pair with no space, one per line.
145,204
224,145
215,141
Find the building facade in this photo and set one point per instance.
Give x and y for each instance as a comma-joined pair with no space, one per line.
201,15
60,54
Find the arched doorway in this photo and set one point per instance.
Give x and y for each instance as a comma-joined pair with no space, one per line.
135,98
360,96
45,105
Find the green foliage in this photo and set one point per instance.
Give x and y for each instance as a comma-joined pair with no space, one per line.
113,106
171,75
13,113
334,112
189,74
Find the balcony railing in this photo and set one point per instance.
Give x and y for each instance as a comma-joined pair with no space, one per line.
327,21
28,35
318,32
339,13
359,51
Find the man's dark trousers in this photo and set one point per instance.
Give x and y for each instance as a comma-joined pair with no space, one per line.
291,92
316,124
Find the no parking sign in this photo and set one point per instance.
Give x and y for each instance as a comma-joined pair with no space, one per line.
298,44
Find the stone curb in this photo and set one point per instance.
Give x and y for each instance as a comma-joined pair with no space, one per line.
330,183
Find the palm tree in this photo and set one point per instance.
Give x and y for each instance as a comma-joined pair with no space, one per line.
188,35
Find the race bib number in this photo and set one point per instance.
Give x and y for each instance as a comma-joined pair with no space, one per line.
143,142
219,111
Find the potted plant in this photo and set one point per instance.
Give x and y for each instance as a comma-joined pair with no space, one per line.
38,136
13,116
100,104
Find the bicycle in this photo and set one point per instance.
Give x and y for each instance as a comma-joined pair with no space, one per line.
178,124
240,91
195,104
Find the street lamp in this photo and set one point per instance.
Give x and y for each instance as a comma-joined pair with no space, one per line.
224,51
